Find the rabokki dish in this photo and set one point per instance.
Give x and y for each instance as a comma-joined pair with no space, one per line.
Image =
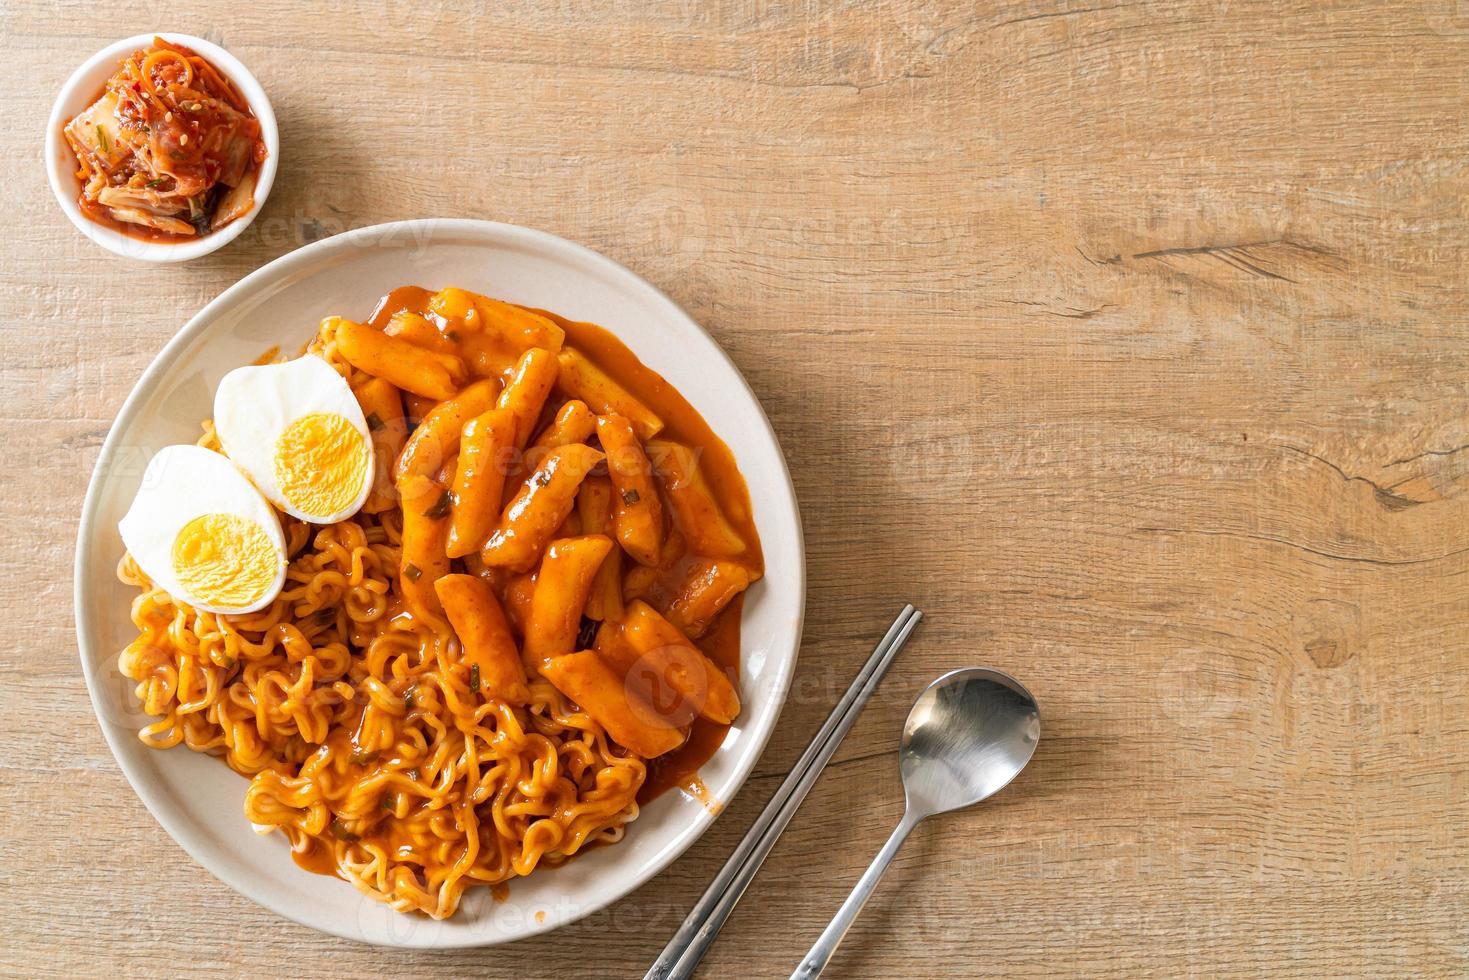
458,590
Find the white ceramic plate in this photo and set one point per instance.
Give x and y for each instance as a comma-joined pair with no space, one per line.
198,799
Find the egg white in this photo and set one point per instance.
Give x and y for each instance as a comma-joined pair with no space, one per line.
181,484
254,405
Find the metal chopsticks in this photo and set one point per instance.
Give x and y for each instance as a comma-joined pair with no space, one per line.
702,925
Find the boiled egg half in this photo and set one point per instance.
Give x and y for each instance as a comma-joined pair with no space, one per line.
203,534
298,433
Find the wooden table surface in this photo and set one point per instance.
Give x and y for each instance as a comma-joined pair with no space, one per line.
1129,340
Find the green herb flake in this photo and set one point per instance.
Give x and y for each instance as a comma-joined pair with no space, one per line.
474,678
340,832
390,802
408,696
412,572
102,138
373,422
631,497
155,182
362,757
440,507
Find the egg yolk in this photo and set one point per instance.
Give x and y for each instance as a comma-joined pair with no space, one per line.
321,463
224,560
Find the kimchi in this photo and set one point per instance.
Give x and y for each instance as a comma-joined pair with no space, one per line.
170,150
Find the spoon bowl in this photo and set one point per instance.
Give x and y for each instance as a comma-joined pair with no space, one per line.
969,734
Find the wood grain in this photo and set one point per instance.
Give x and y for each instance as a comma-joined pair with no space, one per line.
1129,340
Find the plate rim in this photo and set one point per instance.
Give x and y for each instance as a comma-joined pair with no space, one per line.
152,376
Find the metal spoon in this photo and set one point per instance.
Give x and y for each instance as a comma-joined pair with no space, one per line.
970,732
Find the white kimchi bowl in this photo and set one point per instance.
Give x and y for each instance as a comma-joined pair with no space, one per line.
81,90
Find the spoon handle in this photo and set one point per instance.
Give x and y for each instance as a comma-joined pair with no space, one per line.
826,945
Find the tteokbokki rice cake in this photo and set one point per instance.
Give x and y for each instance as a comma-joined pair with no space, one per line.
458,589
